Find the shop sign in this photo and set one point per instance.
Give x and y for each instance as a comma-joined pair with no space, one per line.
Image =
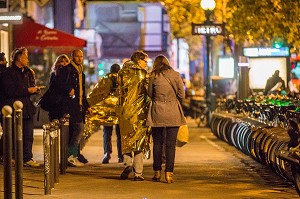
208,29
11,18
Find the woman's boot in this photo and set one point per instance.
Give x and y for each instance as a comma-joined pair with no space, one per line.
169,177
156,177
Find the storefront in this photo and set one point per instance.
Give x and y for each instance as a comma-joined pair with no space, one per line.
44,45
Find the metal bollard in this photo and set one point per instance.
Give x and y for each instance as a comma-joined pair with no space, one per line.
52,159
64,141
53,151
47,159
7,151
56,152
18,133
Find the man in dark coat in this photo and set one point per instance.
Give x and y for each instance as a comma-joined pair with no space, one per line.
75,103
18,83
272,82
3,62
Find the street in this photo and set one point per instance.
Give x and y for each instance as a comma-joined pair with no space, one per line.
205,168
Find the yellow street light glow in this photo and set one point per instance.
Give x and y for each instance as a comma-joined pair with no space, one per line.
208,4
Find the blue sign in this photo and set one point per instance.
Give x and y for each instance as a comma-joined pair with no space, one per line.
266,52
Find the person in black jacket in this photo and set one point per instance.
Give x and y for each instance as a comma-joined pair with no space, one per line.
3,67
3,62
18,83
72,83
61,61
275,84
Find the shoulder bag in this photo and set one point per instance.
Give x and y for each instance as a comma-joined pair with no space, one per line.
50,99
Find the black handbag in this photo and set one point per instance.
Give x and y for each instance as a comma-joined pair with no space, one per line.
50,100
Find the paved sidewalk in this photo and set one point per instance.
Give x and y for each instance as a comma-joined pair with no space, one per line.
206,168
97,180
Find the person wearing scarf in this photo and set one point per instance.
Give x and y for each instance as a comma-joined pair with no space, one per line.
72,81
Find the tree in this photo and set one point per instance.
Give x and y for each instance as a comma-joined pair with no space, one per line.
256,22
182,14
260,21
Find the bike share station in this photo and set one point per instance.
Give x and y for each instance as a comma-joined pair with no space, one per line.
263,127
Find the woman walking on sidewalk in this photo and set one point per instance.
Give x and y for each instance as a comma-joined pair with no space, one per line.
166,89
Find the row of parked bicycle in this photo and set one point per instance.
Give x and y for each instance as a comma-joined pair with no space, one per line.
265,128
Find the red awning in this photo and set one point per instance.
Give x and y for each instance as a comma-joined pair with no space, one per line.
31,34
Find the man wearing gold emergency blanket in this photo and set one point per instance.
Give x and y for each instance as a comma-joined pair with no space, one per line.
132,109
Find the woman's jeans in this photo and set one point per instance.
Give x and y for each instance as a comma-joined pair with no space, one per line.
170,137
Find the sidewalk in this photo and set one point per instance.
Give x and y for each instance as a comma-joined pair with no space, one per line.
205,168
97,180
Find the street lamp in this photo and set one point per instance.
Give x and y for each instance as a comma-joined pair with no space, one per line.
208,6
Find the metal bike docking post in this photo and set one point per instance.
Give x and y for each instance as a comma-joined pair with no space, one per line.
18,144
47,159
64,140
7,151
56,151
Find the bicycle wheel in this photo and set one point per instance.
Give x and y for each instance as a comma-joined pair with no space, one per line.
296,175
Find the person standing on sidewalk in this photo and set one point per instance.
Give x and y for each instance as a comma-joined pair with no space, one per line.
3,67
3,62
275,84
166,89
61,61
134,104
75,103
18,83
103,99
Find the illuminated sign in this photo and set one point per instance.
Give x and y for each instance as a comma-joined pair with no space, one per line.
11,17
208,29
266,52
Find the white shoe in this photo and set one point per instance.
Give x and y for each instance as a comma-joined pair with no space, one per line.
74,162
31,163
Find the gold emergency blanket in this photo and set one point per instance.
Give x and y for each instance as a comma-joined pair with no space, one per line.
104,103
134,101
